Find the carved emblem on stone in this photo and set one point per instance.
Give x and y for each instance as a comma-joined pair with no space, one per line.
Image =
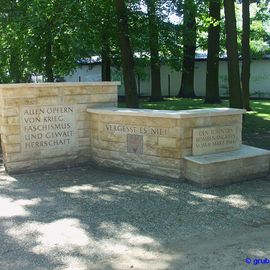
135,144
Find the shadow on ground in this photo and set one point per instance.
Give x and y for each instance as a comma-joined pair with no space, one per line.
85,219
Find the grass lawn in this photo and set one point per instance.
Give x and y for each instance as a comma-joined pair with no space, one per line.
256,125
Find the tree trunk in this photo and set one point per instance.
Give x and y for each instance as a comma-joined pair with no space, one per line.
154,51
246,54
49,61
212,70
106,62
14,69
232,52
189,43
126,55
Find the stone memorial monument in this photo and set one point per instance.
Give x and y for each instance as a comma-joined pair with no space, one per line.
59,125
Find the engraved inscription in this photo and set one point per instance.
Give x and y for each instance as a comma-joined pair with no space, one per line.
215,139
135,144
139,130
47,127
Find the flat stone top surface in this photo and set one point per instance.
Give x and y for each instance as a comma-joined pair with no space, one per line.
18,85
244,152
169,113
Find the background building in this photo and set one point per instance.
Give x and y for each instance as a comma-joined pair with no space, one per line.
171,79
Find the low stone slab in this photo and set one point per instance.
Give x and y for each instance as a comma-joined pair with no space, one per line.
224,168
155,141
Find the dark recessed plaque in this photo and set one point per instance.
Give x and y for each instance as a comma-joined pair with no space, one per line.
135,144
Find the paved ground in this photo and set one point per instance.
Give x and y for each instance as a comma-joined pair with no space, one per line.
84,219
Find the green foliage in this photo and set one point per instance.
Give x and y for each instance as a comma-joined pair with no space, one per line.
38,33
55,22
14,61
259,28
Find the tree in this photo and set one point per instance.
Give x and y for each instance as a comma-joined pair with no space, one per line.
55,36
14,55
232,52
246,54
106,60
126,55
101,38
189,48
154,50
212,70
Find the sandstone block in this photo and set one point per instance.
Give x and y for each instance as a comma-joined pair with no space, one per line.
11,130
3,120
104,98
20,166
83,116
166,172
227,120
111,137
185,152
84,89
167,142
82,107
84,141
169,152
151,141
48,91
51,100
107,145
110,104
202,121
10,111
13,120
18,92
74,91
83,125
185,143
11,148
78,99
103,162
212,170
83,133
16,102
14,139
110,89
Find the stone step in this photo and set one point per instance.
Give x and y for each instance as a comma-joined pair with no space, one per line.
223,168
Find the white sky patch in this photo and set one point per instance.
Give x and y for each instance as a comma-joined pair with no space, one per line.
143,8
173,18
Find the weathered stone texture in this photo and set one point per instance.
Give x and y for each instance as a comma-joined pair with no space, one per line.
80,95
56,126
224,168
166,139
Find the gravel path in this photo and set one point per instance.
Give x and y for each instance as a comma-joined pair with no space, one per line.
84,219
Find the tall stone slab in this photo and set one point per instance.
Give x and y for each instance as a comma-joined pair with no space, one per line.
46,125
